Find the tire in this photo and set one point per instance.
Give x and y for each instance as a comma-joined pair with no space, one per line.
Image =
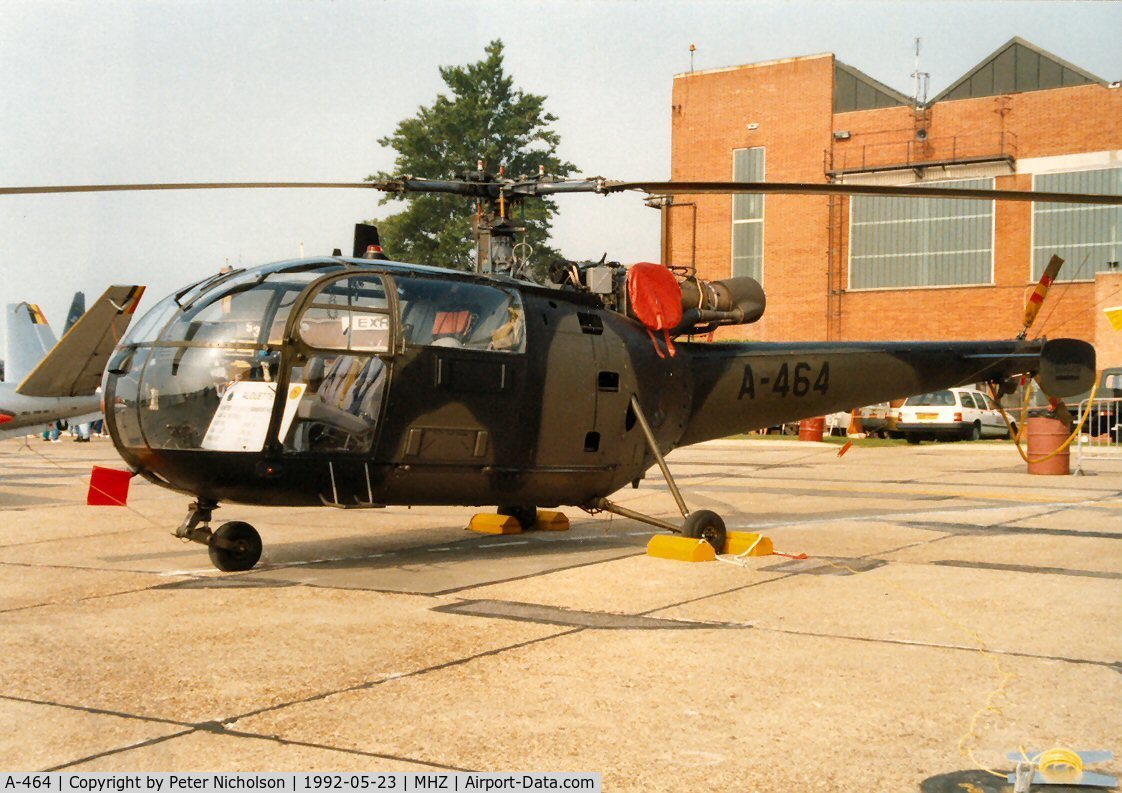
913,439
527,517
235,547
708,526
975,431
1011,432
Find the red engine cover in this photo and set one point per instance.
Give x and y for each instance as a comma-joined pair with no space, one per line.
656,298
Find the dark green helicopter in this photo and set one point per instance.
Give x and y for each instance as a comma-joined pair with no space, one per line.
359,382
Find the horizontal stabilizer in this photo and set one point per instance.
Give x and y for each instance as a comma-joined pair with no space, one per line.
75,365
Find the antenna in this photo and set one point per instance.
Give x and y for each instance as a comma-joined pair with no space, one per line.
919,82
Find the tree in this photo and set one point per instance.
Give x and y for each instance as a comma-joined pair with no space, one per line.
484,118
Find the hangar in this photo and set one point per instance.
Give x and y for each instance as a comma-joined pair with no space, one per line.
868,268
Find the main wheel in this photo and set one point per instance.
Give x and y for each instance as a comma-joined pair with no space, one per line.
527,517
913,439
708,526
976,431
235,547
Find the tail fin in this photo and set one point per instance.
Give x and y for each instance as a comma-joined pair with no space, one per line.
74,366
28,339
77,309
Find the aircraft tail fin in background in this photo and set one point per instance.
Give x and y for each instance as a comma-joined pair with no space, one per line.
28,338
75,365
77,309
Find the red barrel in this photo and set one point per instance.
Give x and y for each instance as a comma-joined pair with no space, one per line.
1045,435
811,429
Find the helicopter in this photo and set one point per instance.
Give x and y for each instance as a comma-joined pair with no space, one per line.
359,382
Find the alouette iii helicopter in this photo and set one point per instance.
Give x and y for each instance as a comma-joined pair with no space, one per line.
359,382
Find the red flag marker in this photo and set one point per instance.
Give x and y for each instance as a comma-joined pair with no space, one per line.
109,487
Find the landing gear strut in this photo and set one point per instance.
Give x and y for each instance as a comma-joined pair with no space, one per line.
234,547
702,524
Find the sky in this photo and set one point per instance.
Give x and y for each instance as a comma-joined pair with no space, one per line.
301,90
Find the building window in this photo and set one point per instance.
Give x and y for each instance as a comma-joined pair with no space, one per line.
1087,237
915,242
748,215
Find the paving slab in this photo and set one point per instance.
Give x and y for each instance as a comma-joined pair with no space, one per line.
715,710
1103,517
634,585
27,586
203,751
1008,610
39,736
848,538
199,654
1073,555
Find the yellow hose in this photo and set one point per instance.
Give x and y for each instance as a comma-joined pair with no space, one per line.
1057,765
1016,435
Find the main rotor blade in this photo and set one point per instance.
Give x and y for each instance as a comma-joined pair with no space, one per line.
492,189
120,188
833,188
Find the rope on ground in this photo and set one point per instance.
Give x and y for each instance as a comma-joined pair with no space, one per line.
1004,675
738,560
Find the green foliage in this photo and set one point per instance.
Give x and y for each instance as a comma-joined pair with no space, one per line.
483,117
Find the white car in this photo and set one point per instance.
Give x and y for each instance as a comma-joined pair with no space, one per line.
954,413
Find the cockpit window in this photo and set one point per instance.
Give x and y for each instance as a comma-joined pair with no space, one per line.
348,314
233,317
455,314
250,307
148,328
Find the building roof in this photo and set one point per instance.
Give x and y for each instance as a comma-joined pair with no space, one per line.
756,65
1014,67
855,90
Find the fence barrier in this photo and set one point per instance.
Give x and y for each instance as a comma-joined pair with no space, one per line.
1101,435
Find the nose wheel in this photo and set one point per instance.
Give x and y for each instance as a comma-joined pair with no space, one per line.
234,547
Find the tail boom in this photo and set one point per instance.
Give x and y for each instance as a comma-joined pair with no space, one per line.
747,386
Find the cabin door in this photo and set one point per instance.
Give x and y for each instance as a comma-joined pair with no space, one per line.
339,358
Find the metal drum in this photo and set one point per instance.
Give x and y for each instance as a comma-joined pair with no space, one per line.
1045,435
811,429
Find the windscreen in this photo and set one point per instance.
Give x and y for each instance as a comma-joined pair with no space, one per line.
940,399
203,367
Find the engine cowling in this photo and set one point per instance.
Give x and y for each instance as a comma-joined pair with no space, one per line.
710,304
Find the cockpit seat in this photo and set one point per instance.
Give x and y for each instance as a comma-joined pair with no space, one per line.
349,397
452,328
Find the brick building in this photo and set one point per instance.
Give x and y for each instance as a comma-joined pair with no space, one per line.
866,268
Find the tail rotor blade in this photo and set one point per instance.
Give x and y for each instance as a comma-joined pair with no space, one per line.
1036,299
